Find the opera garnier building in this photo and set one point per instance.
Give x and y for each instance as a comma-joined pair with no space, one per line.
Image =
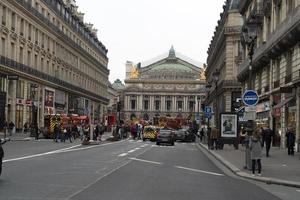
51,62
169,86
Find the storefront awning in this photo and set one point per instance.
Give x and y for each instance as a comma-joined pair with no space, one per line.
282,103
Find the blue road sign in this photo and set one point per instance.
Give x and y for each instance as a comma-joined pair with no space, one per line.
250,98
208,111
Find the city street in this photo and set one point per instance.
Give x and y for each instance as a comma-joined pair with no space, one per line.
121,170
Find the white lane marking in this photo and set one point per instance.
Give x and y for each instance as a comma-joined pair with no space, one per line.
147,161
123,154
144,145
41,154
298,190
200,171
133,150
68,149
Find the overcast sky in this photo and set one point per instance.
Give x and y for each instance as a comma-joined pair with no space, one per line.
138,30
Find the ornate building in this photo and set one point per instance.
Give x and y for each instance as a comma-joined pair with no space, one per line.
171,86
51,62
275,63
224,56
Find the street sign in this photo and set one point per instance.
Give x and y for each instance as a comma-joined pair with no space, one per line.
13,77
208,111
250,98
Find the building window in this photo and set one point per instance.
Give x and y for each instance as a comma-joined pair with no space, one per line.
12,52
179,105
191,105
157,105
21,55
3,15
168,104
22,27
36,36
132,104
277,69
29,58
3,47
146,105
290,5
289,60
20,89
35,61
278,14
13,21
29,32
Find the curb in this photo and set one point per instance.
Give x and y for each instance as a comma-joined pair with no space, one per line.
238,172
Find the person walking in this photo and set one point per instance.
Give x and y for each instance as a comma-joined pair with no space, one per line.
267,135
11,128
80,131
2,141
56,132
214,138
201,135
290,140
255,147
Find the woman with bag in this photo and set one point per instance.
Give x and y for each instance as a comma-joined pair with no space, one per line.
255,146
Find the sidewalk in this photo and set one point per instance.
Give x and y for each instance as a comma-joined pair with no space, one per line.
279,168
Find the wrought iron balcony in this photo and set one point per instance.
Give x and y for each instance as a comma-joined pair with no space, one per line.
54,80
257,14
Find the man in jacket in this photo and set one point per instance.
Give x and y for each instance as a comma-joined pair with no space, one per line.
267,135
290,140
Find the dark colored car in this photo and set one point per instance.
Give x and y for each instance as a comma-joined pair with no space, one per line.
185,135
166,136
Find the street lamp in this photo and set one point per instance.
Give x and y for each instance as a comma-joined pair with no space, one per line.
207,87
216,75
249,34
34,131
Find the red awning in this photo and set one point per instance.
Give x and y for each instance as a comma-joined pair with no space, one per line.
284,102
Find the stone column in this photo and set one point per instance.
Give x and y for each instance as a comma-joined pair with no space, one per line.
184,104
163,103
13,93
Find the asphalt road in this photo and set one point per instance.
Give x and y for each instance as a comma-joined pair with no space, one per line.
126,170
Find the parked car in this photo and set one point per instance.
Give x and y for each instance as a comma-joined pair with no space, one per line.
165,135
185,135
180,134
149,133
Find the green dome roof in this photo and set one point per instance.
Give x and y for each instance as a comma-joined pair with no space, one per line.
171,67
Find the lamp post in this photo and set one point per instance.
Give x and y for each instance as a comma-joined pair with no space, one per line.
249,35
216,75
207,87
34,131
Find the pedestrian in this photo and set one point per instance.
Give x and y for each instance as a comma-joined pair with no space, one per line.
101,131
208,132
11,128
214,138
267,135
86,132
255,147
25,128
2,141
290,140
201,134
96,132
56,132
68,133
133,131
74,131
80,131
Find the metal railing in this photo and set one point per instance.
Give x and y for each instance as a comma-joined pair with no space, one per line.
33,72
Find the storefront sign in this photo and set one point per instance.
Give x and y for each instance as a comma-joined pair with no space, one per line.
262,107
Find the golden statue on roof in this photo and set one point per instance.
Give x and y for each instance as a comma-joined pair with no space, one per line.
134,73
202,75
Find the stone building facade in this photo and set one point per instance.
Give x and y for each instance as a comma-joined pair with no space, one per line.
224,56
276,62
171,86
51,62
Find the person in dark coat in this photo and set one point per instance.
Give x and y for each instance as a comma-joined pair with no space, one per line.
56,132
2,141
290,140
267,135
255,151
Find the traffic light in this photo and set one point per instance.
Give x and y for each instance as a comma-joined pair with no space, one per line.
119,106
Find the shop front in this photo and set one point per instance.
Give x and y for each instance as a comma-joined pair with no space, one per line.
49,102
60,102
263,114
